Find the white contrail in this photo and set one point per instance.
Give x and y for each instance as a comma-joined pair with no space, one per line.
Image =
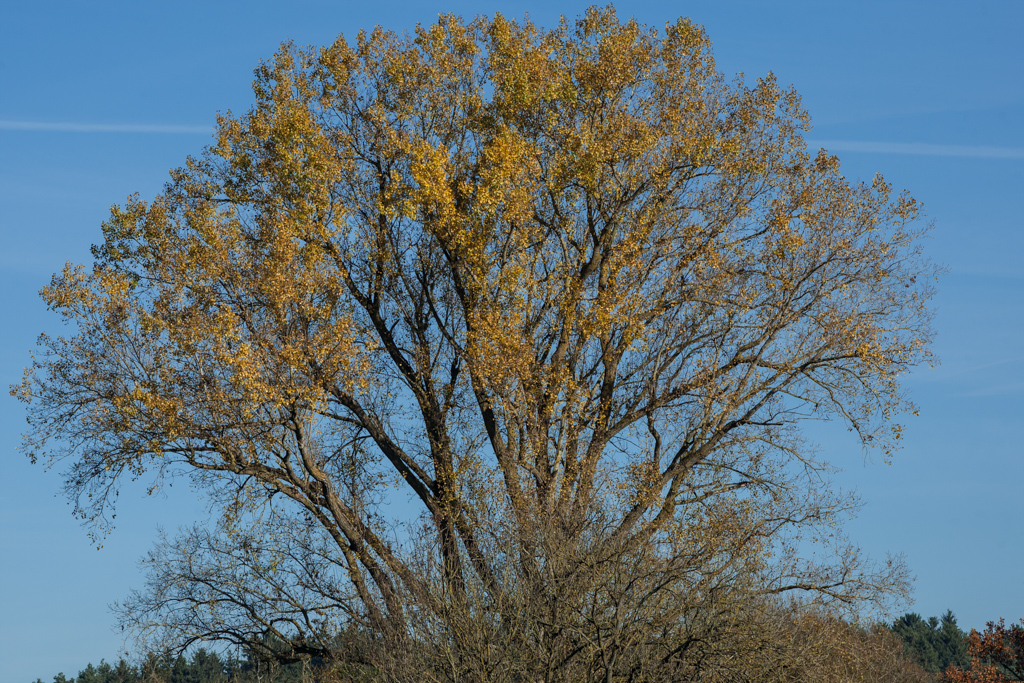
916,148
920,148
102,127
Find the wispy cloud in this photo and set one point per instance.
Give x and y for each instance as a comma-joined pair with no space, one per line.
956,369
103,127
920,148
915,148
1013,389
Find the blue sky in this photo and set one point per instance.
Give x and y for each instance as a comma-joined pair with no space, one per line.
100,99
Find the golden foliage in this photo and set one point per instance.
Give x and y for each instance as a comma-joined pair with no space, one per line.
522,274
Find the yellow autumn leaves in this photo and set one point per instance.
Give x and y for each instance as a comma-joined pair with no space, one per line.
564,287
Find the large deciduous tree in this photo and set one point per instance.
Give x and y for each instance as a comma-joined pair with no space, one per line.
568,291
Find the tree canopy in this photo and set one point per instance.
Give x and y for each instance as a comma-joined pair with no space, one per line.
568,289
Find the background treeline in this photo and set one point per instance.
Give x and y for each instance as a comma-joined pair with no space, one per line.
202,666
935,643
929,646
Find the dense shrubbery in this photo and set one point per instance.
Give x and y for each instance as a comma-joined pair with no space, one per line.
786,647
